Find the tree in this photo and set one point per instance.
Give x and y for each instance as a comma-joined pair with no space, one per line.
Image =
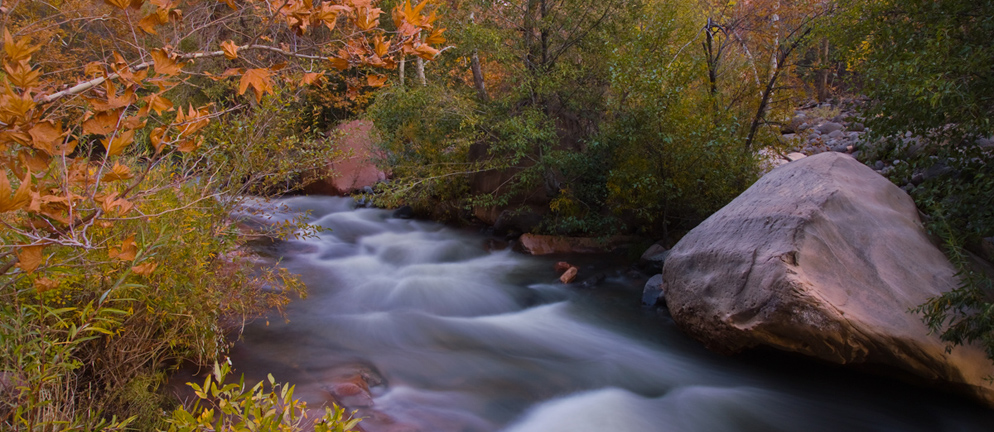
116,246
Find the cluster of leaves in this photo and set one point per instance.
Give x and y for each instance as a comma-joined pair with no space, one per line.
612,115
117,254
924,66
233,406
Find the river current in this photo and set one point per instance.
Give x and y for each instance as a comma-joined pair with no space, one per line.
451,336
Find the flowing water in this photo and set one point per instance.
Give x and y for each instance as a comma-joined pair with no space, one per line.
450,336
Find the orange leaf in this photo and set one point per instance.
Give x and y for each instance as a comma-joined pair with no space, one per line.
230,49
45,136
144,269
376,80
165,64
102,123
380,47
43,284
20,199
156,138
339,63
19,50
127,252
426,52
158,103
118,142
436,37
94,68
259,80
35,161
118,172
29,258
311,78
21,74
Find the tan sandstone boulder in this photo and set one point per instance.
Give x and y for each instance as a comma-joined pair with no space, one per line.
821,257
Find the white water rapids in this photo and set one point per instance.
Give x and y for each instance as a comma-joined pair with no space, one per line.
452,337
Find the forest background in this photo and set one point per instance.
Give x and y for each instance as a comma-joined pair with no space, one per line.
132,129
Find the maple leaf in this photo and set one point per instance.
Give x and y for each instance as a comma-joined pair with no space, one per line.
339,63
148,23
230,49
426,52
94,68
311,78
158,103
118,172
17,50
29,258
165,64
156,138
376,80
45,136
144,269
413,14
103,123
113,101
127,252
328,14
35,161
367,17
436,38
380,47
43,284
118,142
22,75
20,199
259,80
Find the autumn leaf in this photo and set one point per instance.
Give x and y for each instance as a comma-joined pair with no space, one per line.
43,284
35,161
94,69
413,14
102,123
20,199
127,252
21,74
426,52
158,103
339,63
436,37
164,64
311,78
29,258
118,172
376,80
230,49
156,138
144,269
380,47
19,50
116,144
259,80
45,136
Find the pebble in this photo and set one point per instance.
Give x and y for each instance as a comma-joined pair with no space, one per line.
878,165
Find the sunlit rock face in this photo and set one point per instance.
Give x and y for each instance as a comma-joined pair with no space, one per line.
822,257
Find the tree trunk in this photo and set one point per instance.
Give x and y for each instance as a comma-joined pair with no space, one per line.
821,77
420,66
481,86
403,61
764,101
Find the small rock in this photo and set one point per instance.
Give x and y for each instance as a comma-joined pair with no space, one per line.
367,190
652,294
878,165
829,127
562,266
856,127
917,178
856,154
839,118
569,275
654,257
841,148
938,170
404,212
592,281
835,134
795,156
351,395
985,142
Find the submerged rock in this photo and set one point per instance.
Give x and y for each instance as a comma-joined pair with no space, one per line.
824,258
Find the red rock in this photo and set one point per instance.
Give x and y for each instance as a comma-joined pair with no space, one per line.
544,244
562,266
356,168
569,275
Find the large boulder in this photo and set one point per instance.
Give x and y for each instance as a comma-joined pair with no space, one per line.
356,169
821,257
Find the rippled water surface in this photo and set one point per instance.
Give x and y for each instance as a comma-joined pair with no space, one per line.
449,336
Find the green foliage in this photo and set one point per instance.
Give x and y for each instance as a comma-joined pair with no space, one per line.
234,407
925,65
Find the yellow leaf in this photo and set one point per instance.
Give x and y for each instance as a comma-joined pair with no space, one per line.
29,258
158,103
118,172
165,64
21,74
35,161
436,37
426,52
21,197
127,252
94,68
230,49
339,63
380,47
259,80
144,269
156,137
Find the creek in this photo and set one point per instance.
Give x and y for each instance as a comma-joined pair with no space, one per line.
451,336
